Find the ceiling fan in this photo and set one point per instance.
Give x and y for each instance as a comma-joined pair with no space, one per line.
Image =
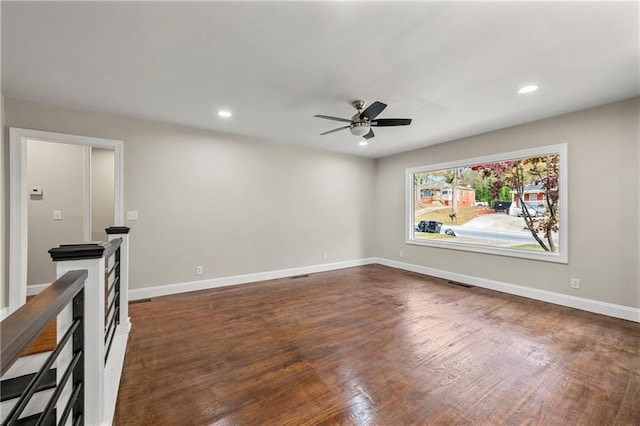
362,122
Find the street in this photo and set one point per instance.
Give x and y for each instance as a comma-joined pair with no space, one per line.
496,227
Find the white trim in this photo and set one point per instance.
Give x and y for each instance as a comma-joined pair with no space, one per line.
18,198
589,305
87,213
113,371
17,220
4,312
165,290
604,308
560,257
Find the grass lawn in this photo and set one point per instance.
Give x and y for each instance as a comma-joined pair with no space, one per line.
465,214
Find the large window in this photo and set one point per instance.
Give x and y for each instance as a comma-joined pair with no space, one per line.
511,204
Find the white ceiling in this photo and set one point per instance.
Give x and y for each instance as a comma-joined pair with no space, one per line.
453,67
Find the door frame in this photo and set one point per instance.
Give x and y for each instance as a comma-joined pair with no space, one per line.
18,198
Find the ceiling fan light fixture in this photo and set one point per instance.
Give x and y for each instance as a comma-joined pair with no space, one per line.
359,129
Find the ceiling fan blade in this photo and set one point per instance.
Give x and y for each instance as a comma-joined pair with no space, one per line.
386,122
335,130
369,135
328,117
372,111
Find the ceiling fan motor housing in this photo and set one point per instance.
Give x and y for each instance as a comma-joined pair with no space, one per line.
358,104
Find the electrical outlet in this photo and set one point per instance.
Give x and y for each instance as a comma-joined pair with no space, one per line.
401,253
132,215
57,215
575,283
198,270
324,255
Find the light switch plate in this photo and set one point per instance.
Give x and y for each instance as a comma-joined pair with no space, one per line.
57,215
132,215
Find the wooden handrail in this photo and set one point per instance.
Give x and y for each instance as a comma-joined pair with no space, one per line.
22,327
111,247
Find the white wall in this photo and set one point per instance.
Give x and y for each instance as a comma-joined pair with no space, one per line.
603,205
102,192
232,205
59,169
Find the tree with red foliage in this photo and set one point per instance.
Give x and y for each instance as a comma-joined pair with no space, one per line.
516,174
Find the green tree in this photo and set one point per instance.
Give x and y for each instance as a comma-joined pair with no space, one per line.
504,194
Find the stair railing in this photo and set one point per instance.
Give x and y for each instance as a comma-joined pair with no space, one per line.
64,300
92,312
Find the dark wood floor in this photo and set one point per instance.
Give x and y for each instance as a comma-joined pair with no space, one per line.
377,346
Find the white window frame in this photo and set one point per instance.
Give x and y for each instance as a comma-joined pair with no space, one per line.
558,257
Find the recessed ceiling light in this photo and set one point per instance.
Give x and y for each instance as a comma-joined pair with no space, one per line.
224,114
528,89
363,143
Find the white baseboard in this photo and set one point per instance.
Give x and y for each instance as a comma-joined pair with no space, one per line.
4,312
165,290
604,308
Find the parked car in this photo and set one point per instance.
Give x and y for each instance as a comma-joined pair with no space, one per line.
429,226
501,206
535,210
482,204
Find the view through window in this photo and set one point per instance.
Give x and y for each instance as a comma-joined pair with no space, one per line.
510,204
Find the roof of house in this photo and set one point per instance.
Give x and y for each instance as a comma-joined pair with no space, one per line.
533,187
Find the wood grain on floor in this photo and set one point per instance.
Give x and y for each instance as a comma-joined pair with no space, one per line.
377,346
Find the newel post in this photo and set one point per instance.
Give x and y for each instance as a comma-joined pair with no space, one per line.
113,233
89,257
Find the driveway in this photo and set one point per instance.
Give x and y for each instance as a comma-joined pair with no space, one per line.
497,227
497,222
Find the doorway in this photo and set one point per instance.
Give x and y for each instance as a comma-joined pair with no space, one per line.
26,193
